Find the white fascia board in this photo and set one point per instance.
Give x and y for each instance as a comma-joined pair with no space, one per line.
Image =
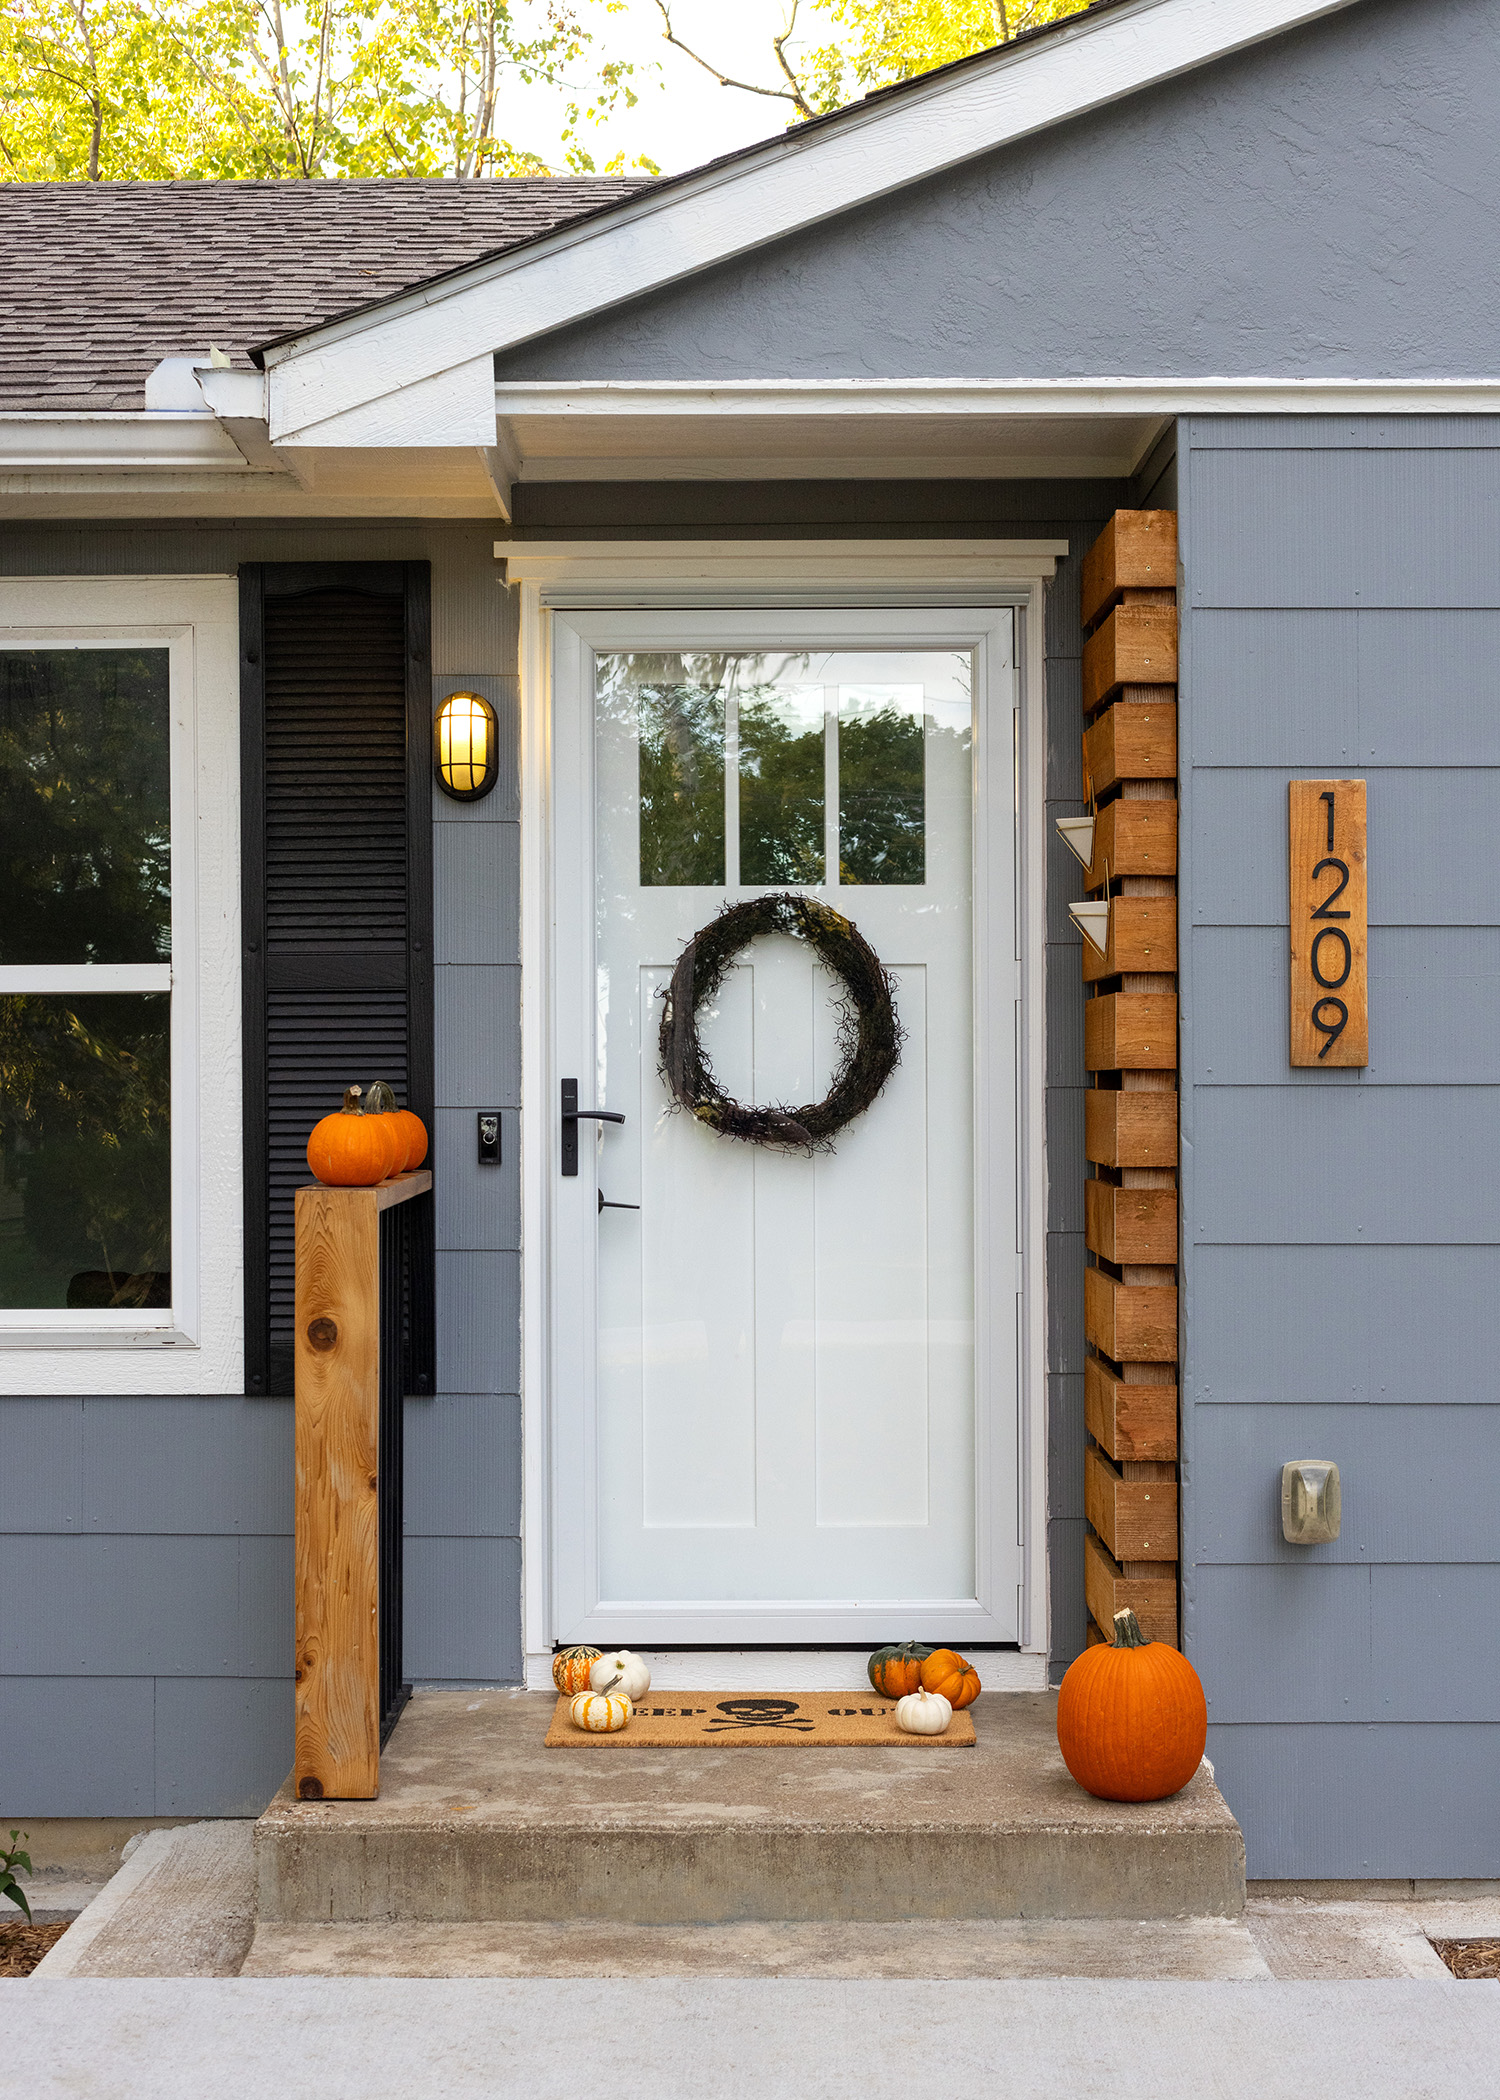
998,397
454,407
793,183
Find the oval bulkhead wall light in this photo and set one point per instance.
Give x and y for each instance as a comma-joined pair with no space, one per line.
466,746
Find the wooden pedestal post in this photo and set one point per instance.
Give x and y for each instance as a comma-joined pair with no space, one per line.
337,1486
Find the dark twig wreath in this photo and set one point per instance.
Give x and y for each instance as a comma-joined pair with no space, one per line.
869,1033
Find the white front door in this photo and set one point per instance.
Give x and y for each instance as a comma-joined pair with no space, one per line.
784,1401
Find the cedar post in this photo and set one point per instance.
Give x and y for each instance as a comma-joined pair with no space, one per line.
1130,1050
337,1664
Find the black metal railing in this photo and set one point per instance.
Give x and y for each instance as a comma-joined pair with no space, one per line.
406,1350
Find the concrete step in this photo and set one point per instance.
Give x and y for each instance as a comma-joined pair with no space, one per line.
477,1821
1177,1950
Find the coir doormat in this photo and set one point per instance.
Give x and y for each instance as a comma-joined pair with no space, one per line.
703,1721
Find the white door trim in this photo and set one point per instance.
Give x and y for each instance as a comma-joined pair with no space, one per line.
742,575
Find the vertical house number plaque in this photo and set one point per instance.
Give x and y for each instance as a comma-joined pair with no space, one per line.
1329,923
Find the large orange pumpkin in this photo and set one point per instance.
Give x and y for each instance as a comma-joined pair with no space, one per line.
353,1151
1131,1718
415,1132
946,1672
897,1671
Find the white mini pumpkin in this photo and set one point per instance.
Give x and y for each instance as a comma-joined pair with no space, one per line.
601,1713
620,1671
923,1713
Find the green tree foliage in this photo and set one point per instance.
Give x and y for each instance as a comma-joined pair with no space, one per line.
116,90
881,42
891,40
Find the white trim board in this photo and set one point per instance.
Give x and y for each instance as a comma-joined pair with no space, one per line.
682,573
792,1670
745,573
1149,395
198,1347
452,326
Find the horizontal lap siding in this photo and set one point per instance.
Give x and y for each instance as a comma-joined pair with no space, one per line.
145,1543
1342,617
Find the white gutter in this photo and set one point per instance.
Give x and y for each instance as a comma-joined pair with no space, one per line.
199,418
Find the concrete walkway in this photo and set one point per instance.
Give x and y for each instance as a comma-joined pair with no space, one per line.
183,1904
346,2038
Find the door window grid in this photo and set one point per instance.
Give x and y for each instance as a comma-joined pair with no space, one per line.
856,819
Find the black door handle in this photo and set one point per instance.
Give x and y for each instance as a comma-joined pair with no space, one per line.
605,1204
572,1116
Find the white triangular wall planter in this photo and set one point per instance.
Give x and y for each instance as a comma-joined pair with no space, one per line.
1092,921
1077,834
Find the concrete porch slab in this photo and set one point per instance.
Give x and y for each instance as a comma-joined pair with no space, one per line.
476,1820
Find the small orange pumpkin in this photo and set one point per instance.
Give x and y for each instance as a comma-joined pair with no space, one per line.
896,1672
415,1132
570,1669
1132,1720
946,1673
352,1151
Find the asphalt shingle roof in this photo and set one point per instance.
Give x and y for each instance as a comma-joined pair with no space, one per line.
102,280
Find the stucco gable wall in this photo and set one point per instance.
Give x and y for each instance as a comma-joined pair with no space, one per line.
1322,205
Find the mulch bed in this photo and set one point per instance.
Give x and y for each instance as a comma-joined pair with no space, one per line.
1474,1961
22,1946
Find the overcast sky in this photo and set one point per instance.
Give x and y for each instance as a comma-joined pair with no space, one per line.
683,116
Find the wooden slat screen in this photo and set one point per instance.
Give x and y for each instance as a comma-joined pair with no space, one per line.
1130,1051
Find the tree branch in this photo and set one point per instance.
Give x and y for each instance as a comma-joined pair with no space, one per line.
792,93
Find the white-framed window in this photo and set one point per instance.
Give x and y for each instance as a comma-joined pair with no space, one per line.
120,1173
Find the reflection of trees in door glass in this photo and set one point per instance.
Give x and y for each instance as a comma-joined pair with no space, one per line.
882,787
682,777
781,785
85,806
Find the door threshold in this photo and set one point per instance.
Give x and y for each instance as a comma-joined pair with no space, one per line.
791,1670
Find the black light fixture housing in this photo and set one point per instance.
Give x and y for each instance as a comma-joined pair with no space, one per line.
466,746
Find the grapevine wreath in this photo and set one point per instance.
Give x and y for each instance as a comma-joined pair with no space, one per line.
869,1034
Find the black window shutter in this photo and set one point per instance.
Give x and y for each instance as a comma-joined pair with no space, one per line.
336,803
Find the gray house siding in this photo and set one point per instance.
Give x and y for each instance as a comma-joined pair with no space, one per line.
1342,617
1311,207
145,1544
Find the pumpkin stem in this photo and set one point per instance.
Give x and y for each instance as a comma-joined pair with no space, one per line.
351,1100
1128,1630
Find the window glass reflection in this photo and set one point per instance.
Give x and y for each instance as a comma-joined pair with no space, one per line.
882,784
679,703
811,767
781,772
85,1150
85,806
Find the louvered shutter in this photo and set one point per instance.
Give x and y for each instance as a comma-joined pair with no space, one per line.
337,895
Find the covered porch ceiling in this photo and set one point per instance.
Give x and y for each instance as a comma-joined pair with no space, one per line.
745,432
